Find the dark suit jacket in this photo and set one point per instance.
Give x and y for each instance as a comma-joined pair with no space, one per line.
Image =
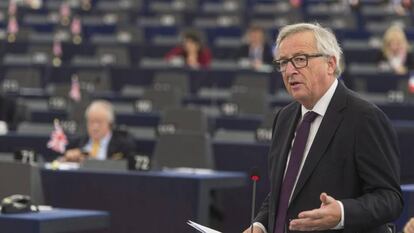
11,112
354,158
267,56
121,145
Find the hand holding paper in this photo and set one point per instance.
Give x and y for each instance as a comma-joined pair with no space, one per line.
201,228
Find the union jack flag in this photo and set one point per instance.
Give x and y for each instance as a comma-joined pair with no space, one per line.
76,27
58,140
57,48
12,10
65,10
75,92
411,84
12,26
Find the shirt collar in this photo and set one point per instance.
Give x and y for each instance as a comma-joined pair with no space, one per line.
322,105
105,140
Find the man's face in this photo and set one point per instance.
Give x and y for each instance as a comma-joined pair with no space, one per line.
308,84
256,37
98,124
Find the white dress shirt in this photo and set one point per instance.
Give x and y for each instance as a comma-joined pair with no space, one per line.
103,147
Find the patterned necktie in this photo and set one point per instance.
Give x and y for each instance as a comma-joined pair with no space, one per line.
94,149
296,155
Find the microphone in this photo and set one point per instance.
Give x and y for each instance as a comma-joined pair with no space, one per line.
254,176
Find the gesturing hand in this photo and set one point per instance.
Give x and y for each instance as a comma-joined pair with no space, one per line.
255,230
409,227
324,218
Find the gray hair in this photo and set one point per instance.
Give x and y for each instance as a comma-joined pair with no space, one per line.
326,42
104,105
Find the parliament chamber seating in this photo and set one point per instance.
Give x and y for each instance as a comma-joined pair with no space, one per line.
120,58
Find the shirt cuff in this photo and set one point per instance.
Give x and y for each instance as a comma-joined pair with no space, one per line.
259,225
342,221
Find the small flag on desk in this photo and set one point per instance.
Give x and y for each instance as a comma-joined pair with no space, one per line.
64,9
76,27
75,92
296,3
12,26
411,84
12,29
57,52
64,13
57,48
12,10
58,140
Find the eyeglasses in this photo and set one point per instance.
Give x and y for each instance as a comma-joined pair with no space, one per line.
298,61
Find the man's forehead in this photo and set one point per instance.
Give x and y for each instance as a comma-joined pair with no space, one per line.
305,37
97,115
296,43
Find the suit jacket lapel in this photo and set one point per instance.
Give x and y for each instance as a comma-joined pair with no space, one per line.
111,146
285,128
326,131
290,120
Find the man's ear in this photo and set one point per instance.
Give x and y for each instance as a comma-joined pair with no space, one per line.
332,65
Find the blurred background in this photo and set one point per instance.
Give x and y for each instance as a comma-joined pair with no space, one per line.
174,68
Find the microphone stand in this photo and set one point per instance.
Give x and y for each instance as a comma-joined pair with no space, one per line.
254,177
253,205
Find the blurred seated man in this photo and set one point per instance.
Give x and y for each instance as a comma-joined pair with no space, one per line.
255,52
102,142
191,52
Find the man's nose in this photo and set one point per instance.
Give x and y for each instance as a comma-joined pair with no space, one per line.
290,68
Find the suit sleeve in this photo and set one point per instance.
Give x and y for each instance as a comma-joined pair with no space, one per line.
129,145
121,143
376,158
263,215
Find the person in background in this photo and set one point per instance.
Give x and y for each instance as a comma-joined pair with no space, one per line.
354,4
102,141
396,55
191,52
11,113
255,52
319,183
401,7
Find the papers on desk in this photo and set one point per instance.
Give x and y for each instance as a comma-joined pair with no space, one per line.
189,170
44,208
56,165
39,208
201,228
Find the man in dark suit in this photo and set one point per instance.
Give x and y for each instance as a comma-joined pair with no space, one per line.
102,142
255,52
334,156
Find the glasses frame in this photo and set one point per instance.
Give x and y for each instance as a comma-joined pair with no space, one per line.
277,63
